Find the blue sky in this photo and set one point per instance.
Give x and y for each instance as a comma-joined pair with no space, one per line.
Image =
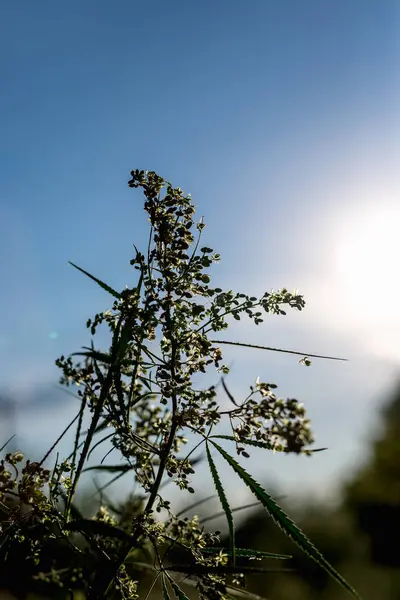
282,121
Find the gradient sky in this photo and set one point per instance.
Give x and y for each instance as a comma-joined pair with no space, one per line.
281,118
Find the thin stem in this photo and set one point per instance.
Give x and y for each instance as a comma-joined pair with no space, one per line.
139,348
95,419
191,258
236,309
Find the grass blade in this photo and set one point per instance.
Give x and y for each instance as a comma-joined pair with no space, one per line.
284,522
103,285
224,503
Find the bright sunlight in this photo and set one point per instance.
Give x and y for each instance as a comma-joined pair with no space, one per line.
367,271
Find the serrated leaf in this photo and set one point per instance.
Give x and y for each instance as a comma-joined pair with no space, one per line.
284,521
103,285
259,444
165,591
224,502
247,553
231,438
180,594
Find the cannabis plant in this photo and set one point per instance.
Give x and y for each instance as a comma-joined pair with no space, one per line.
145,397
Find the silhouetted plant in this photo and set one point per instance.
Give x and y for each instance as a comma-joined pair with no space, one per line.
142,397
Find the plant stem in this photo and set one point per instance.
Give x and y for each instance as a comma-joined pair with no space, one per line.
95,419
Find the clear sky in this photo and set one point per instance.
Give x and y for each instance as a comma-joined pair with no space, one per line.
281,118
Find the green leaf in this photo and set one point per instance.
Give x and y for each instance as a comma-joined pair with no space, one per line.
96,355
145,382
93,527
258,444
124,339
284,522
231,398
224,502
110,468
107,437
99,374
115,338
246,553
231,438
165,591
103,285
275,349
180,594
102,357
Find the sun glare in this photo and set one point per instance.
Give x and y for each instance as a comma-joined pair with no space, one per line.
367,267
